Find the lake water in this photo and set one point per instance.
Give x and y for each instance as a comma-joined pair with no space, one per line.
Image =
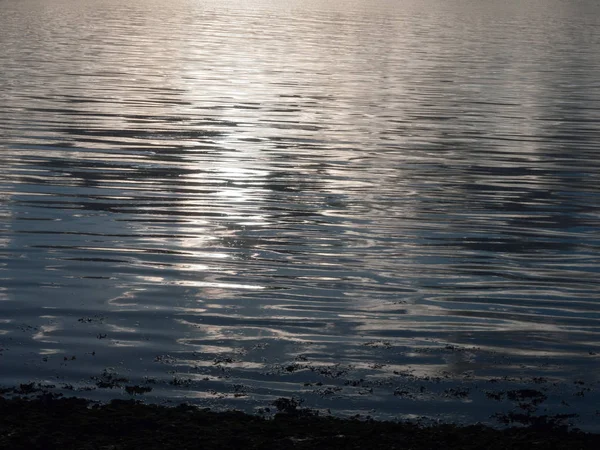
379,207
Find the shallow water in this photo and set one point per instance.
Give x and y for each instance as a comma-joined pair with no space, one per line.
387,208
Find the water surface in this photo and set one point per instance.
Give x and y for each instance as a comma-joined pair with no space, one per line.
380,207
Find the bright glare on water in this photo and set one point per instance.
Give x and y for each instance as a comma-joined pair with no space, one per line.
385,207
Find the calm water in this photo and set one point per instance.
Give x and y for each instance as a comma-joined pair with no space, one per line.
380,207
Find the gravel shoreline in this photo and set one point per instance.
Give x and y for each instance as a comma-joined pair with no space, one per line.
53,422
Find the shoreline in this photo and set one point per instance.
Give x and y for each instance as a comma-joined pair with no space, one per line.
50,421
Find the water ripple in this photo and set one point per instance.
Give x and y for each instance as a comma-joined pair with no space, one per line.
241,202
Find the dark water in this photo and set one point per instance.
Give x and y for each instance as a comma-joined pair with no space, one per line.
380,207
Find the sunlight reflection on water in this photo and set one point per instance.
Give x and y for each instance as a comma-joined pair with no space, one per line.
366,206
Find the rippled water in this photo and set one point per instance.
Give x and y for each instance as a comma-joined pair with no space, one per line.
380,207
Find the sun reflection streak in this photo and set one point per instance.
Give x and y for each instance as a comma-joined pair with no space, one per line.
44,331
